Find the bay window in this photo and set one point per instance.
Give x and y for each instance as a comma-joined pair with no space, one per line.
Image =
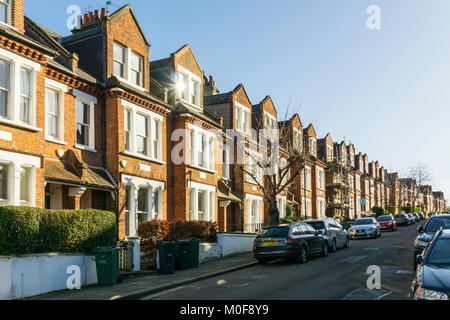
254,213
18,179
142,132
17,90
321,178
143,202
202,202
201,148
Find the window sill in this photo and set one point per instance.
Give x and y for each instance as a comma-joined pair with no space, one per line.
49,139
142,157
19,125
131,84
8,26
86,148
201,168
198,108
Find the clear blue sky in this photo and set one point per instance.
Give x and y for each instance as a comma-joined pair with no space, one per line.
387,91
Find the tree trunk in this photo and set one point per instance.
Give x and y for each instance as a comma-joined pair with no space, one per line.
274,214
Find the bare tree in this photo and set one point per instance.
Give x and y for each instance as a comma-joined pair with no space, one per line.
421,174
279,176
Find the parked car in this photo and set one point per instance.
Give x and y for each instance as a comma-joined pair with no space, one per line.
432,280
296,242
332,231
421,216
416,217
411,218
402,219
365,228
387,223
426,233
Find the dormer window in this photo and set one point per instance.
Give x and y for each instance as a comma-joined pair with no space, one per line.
242,118
298,139
5,11
136,65
312,146
128,64
188,85
119,59
330,155
270,122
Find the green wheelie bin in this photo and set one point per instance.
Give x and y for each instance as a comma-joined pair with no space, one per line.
166,257
194,246
107,263
182,255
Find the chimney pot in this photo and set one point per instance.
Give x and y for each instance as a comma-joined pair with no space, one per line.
86,18
96,15
103,13
91,16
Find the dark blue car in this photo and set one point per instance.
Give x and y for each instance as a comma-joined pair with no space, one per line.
432,281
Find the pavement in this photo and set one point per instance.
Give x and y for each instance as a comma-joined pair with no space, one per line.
340,276
139,285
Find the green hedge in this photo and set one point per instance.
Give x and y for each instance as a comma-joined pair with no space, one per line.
26,230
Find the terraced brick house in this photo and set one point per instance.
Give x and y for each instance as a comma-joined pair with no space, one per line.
196,136
245,211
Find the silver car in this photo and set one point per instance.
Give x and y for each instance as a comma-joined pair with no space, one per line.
365,228
332,231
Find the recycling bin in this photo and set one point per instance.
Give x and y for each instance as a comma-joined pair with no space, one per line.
194,246
107,264
182,255
166,256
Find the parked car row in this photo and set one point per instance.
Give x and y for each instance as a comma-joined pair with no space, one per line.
432,260
298,241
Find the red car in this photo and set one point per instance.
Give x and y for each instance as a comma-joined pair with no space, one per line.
387,223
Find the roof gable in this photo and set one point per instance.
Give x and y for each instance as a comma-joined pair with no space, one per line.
242,96
127,10
268,106
190,61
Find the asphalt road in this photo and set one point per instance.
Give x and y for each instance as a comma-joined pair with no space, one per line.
340,276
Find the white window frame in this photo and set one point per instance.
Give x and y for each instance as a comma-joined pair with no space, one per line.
208,153
210,205
16,63
282,205
270,122
8,6
250,161
151,118
312,146
321,207
307,178
127,67
330,153
320,182
298,139
192,78
252,201
91,142
307,205
61,90
226,163
136,183
15,162
240,124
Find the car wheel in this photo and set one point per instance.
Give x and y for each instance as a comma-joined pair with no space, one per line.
347,243
324,250
303,257
262,261
334,246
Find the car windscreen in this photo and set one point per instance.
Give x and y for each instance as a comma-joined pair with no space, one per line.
440,254
385,218
317,224
274,232
436,223
363,222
